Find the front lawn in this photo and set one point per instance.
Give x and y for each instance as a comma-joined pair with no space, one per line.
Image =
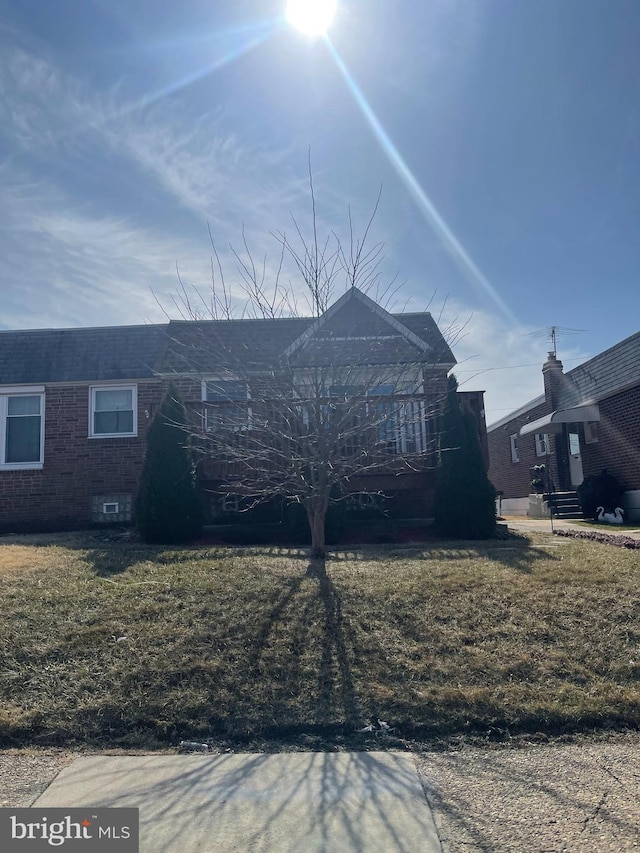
121,644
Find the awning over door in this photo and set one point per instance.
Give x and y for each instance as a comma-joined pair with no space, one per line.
553,422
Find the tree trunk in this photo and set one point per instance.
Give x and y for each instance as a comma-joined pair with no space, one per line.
316,513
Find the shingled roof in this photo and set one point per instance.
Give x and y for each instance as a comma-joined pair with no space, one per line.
78,355
355,334
608,372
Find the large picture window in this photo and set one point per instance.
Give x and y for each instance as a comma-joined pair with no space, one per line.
21,429
113,411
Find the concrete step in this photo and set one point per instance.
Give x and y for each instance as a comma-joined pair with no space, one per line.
564,505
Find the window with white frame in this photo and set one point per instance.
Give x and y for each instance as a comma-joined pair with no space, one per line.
401,425
113,411
21,428
227,405
542,443
513,444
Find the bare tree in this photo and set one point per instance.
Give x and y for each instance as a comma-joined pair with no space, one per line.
334,405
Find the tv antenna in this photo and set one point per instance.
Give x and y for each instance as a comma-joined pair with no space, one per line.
551,334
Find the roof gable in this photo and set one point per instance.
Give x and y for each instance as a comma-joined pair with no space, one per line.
356,317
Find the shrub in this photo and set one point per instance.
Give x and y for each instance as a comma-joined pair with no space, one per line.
599,490
464,498
168,508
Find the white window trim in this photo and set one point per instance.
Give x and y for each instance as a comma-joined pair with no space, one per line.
409,418
20,391
542,441
245,426
134,402
513,446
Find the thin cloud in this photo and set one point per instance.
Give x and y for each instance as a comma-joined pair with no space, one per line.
208,171
500,359
63,267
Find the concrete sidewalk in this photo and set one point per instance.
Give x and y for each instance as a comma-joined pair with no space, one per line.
543,525
277,803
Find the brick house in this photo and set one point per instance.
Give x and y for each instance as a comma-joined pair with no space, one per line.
75,404
587,420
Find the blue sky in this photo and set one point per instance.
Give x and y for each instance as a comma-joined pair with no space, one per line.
505,135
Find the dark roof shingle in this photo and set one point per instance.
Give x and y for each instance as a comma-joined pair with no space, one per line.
70,355
355,334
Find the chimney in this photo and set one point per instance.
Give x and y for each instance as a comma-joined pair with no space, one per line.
552,373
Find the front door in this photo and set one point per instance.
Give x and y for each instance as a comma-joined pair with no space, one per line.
575,459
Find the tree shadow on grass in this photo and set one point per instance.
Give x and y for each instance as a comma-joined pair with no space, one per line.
335,678
309,608
517,554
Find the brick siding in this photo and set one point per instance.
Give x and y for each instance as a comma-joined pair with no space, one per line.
79,472
618,445
76,468
514,478
617,448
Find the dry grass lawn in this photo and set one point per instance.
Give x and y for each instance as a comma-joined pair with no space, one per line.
121,644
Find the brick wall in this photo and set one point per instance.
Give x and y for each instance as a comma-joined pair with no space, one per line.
80,472
76,468
618,445
514,478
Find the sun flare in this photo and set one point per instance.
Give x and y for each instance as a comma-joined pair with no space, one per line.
312,17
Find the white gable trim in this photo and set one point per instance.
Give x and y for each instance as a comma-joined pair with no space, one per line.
354,293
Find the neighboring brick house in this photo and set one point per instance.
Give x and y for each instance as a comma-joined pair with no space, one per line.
587,420
75,404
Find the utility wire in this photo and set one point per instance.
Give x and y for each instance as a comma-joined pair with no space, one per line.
514,366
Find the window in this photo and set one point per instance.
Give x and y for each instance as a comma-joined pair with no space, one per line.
230,503
386,415
227,405
513,443
542,443
113,411
401,425
363,501
590,432
21,429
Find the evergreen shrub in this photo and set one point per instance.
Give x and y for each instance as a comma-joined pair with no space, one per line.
464,497
168,507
